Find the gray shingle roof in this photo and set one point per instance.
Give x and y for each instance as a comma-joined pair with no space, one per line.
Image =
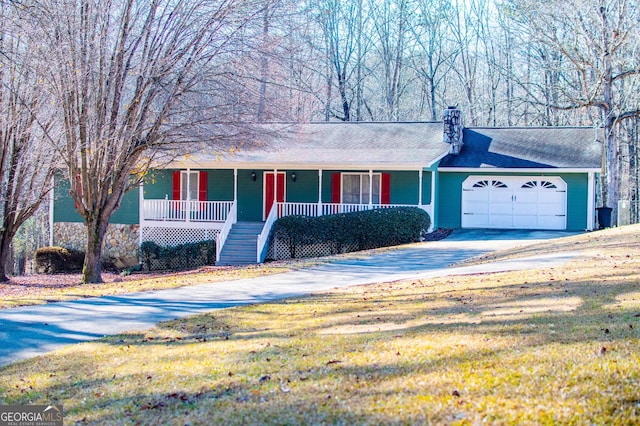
534,147
326,144
410,145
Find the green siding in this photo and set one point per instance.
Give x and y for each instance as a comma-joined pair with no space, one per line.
449,199
158,185
304,189
577,200
404,187
219,185
427,178
449,204
64,209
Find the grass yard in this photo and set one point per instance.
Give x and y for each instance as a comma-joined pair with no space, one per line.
546,346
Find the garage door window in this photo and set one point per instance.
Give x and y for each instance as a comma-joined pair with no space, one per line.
539,184
490,183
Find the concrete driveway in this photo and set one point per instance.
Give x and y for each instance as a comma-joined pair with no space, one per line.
33,330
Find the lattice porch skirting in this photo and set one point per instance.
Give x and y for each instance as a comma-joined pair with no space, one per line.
175,236
279,250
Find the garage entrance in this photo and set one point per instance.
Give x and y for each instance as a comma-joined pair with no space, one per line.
514,202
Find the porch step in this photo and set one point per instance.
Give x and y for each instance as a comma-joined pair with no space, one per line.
241,245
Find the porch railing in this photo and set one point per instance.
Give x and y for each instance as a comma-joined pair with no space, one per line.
186,211
232,217
316,209
263,238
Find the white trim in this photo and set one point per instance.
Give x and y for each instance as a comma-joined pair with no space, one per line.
52,199
319,186
235,185
188,173
420,179
371,187
217,165
432,201
371,175
591,202
436,160
141,218
212,226
541,171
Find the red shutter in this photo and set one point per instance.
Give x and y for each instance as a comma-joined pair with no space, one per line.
268,193
202,187
280,187
385,189
335,188
175,195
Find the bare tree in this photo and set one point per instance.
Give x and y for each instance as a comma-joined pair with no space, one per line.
126,76
26,160
434,52
390,22
597,41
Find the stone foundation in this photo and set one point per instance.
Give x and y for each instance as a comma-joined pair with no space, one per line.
121,243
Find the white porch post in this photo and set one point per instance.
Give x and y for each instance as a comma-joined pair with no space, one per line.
275,187
141,217
319,193
420,177
188,184
235,186
371,187
591,208
432,201
51,201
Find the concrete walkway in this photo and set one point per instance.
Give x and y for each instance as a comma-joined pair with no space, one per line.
33,330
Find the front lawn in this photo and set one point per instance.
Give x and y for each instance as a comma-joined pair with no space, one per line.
547,346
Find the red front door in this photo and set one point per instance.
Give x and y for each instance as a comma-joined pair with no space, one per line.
269,189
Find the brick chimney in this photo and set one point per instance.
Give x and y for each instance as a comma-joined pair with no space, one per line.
452,120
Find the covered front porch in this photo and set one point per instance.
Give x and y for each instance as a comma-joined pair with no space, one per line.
188,205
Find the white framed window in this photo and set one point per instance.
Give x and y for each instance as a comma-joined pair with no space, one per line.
189,185
356,187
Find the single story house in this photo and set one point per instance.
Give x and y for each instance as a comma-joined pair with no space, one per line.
507,178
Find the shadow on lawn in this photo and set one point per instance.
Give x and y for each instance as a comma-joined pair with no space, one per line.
535,313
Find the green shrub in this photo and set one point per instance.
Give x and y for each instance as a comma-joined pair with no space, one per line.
361,230
155,257
52,260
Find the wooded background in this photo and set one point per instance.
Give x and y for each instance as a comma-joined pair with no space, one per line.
99,80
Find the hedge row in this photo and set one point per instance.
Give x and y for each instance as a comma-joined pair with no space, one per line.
362,230
183,256
53,260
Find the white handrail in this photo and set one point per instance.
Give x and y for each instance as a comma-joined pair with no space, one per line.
314,209
263,238
186,211
232,218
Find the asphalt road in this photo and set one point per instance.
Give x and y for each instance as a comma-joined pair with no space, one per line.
34,330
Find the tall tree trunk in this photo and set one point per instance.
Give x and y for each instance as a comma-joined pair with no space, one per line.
359,63
92,268
5,251
264,64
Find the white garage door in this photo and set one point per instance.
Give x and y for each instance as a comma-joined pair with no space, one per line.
522,202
